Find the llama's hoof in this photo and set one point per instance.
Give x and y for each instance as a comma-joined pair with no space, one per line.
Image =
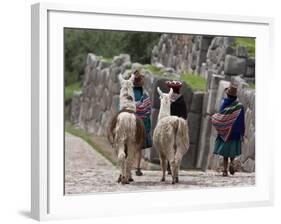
131,179
124,180
163,179
119,179
175,180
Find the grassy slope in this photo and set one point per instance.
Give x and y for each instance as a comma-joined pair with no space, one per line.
196,82
88,138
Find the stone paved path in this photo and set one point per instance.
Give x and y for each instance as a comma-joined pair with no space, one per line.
86,171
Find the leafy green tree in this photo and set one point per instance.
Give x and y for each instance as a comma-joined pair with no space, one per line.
79,42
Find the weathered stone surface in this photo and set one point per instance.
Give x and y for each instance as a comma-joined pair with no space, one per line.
122,58
91,60
246,97
252,146
115,104
103,64
249,165
89,90
197,102
161,83
114,87
221,93
230,51
99,79
136,66
204,143
211,103
114,72
105,76
216,42
189,159
154,118
126,65
250,72
194,123
187,93
205,103
234,65
241,52
75,107
248,121
215,80
250,68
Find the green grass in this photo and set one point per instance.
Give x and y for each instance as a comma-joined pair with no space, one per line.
153,69
196,82
70,89
247,42
88,138
109,60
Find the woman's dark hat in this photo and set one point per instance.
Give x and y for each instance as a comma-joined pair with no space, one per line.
139,79
175,85
231,90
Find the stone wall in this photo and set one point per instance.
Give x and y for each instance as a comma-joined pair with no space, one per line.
92,108
213,58
214,98
204,55
220,62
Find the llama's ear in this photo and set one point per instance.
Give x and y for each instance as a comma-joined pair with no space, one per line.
159,91
171,92
132,78
120,78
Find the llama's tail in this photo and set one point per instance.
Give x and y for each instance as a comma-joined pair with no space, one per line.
183,134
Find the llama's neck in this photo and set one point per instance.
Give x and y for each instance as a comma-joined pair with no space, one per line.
127,100
164,111
126,104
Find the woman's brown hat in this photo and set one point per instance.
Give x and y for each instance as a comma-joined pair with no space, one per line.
231,90
139,79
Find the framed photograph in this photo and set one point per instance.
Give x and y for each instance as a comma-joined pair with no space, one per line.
138,111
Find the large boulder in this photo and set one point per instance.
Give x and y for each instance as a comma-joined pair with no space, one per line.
121,59
189,159
241,52
194,123
197,102
204,143
161,83
234,65
75,107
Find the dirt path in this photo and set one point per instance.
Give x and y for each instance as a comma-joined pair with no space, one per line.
86,171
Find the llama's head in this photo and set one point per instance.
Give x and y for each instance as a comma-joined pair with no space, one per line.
127,99
165,102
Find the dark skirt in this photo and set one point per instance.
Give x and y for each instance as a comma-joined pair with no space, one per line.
230,148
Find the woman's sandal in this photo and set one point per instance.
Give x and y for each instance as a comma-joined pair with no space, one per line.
138,172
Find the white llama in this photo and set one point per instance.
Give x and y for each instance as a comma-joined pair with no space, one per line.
170,137
126,130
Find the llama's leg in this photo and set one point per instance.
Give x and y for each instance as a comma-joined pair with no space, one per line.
163,166
171,159
178,158
131,151
121,155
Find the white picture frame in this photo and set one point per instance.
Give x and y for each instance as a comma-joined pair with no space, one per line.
48,201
